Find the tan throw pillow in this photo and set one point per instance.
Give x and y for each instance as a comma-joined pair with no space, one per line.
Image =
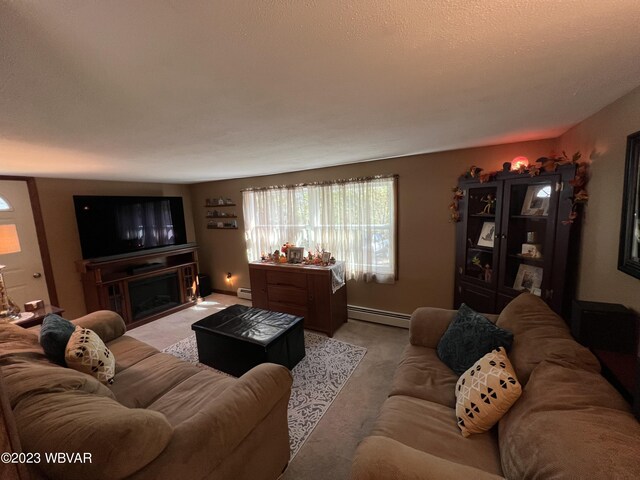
87,353
485,392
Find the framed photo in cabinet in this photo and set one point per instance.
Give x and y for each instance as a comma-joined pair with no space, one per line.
536,201
487,234
529,279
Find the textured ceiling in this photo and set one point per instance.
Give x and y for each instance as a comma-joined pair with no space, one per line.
186,91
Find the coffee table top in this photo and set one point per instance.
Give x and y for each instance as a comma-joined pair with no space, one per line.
250,324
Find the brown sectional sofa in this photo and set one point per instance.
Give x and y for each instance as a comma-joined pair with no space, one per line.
569,422
162,417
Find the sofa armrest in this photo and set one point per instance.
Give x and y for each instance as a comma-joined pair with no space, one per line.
382,457
212,433
107,324
428,324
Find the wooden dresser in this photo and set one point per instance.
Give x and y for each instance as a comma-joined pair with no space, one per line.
300,290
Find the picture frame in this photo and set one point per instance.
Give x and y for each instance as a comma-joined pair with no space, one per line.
537,200
528,279
487,234
629,247
326,257
295,254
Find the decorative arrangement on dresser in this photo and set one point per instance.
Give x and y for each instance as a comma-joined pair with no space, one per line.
517,230
219,219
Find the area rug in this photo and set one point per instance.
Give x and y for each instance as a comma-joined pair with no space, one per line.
317,379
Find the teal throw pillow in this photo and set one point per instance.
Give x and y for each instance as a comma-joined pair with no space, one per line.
469,337
54,335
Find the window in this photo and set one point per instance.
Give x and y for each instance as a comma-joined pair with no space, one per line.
355,220
4,205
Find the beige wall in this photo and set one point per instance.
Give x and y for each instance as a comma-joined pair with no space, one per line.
602,138
56,198
425,236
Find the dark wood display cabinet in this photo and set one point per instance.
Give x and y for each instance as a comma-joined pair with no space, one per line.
514,236
142,287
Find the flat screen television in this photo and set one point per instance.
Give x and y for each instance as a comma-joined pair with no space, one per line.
112,225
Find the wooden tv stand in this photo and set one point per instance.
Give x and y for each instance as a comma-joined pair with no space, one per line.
111,283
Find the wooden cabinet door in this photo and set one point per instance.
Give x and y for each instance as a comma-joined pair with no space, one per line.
258,279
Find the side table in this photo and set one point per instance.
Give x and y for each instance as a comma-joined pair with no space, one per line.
38,317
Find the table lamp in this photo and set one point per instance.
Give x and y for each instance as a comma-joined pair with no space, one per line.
9,243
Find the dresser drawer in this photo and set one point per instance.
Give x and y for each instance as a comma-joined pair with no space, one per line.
287,295
292,279
289,308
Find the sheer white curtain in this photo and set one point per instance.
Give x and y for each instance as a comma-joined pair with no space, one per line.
354,220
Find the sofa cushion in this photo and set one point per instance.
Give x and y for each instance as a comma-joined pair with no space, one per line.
120,440
468,338
87,353
579,424
191,396
421,374
149,379
485,392
54,336
431,428
540,334
129,351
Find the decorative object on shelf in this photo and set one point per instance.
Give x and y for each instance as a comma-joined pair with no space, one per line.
326,258
529,279
218,202
9,243
33,305
532,250
457,195
231,224
536,202
487,234
486,269
629,251
531,237
543,164
490,206
519,164
295,254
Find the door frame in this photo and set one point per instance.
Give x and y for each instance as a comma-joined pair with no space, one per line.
40,231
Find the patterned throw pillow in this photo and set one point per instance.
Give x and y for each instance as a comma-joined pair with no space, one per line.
485,392
470,336
87,353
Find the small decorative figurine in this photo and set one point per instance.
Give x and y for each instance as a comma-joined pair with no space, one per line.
490,200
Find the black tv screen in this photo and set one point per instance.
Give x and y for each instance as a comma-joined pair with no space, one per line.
116,225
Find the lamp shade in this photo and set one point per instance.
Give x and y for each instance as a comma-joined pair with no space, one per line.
9,242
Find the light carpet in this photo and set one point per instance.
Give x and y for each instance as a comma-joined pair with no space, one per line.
317,379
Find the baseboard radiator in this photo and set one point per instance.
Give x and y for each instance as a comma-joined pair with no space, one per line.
244,293
378,316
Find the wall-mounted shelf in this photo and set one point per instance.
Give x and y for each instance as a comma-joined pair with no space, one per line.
224,220
213,227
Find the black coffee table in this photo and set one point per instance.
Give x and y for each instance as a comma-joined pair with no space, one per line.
238,338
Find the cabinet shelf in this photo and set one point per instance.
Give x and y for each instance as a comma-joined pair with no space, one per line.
221,216
221,205
535,218
482,215
526,259
211,227
483,249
